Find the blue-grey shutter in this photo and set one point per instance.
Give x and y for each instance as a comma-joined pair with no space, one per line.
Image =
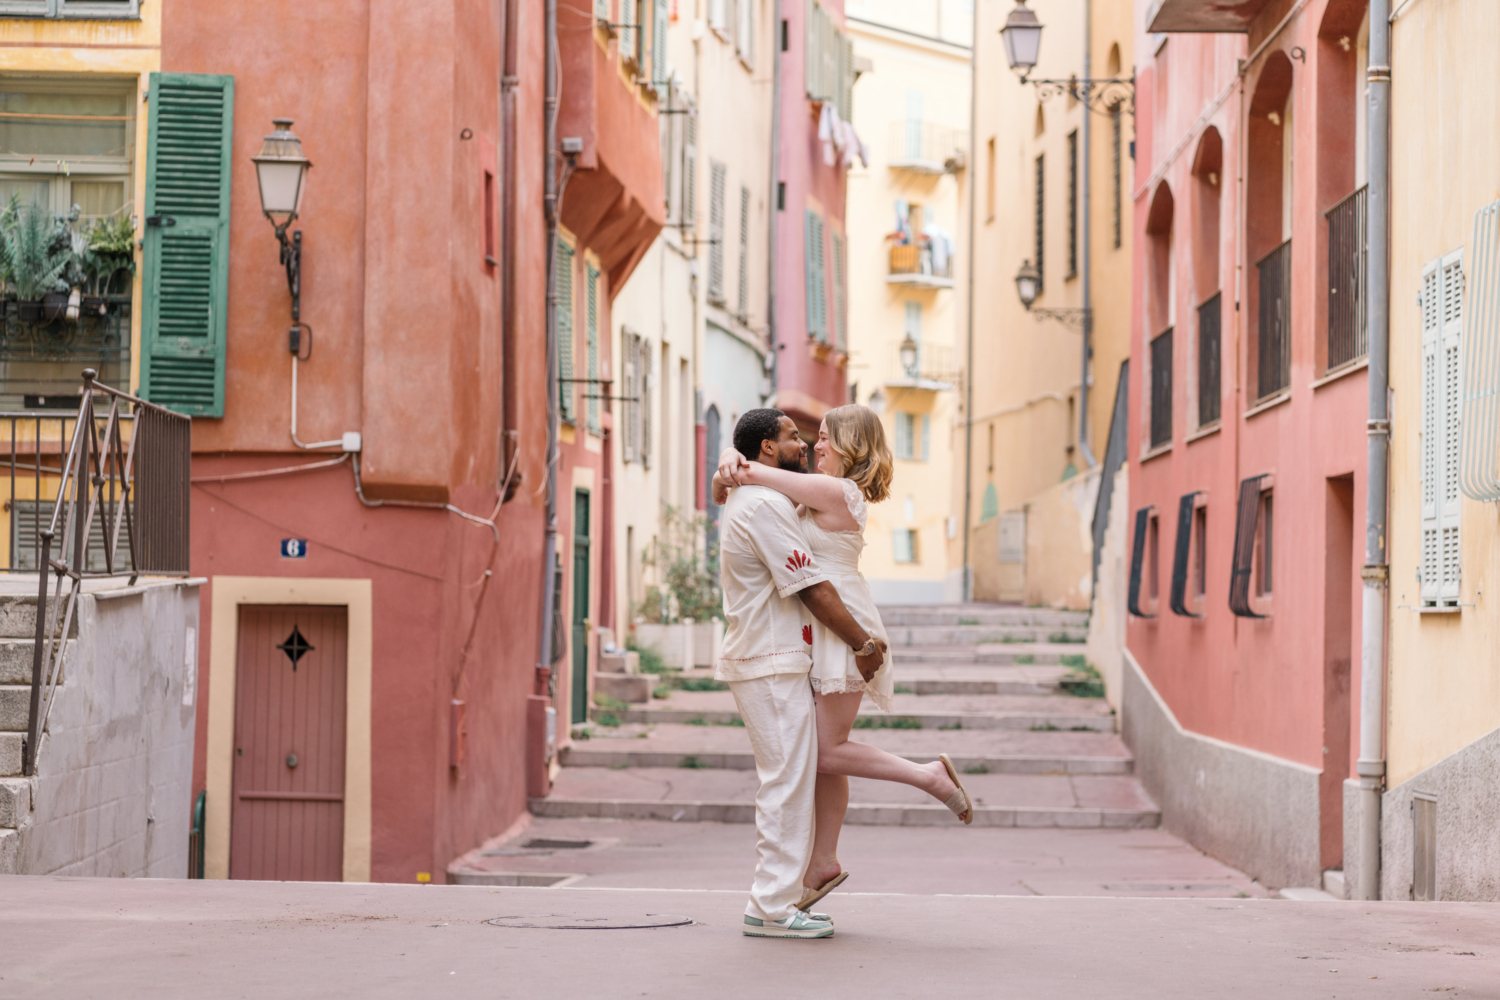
592,334
565,389
659,65
186,268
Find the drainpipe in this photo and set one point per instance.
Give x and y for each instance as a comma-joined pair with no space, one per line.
1371,764
968,582
1087,220
775,212
546,654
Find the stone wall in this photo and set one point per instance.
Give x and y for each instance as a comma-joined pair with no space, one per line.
112,794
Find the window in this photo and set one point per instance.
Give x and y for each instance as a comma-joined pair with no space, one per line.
591,335
661,69
840,293
1161,389
1442,324
630,348
1273,346
904,545
83,9
817,289
913,329
1348,330
911,436
566,389
717,177
1040,228
1073,203
1117,176
1247,536
1210,316
989,180
1182,552
828,69
744,296
490,255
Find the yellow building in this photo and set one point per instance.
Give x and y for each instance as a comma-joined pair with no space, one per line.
1034,472
73,81
907,219
1440,812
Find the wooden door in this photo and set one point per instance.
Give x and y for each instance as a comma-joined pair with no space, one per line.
288,809
581,606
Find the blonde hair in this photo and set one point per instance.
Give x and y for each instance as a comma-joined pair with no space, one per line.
857,437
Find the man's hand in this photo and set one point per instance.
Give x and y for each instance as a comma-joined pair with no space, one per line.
868,665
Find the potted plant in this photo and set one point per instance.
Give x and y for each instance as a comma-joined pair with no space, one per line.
108,249
37,265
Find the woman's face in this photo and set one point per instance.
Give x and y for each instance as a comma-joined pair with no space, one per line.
828,461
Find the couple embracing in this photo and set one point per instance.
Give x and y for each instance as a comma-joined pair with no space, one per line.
803,645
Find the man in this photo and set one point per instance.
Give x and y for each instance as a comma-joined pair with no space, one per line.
768,576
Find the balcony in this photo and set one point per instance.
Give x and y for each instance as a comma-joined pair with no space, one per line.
916,265
923,147
1273,331
41,356
938,369
1348,252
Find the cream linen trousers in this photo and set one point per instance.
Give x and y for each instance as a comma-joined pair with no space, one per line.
780,720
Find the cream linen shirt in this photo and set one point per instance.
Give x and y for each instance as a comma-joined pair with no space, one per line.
764,560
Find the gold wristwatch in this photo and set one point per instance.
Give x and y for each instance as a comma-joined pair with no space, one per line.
868,649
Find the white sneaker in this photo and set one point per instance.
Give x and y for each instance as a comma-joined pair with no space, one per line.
798,925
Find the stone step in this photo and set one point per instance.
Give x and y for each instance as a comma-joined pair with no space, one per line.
15,802
10,754
938,678
15,707
980,614
10,852
959,635
18,618
15,659
589,754
989,654
681,795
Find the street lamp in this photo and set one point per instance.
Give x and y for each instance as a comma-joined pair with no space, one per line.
909,356
1028,283
281,170
1022,36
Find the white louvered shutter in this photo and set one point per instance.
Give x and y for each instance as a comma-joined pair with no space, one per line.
1442,322
716,181
1450,361
744,291
689,210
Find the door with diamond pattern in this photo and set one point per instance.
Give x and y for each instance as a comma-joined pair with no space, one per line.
287,818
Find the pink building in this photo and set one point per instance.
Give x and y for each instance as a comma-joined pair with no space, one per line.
1246,432
815,81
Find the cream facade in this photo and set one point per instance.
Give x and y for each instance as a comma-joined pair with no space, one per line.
907,219
1443,720
1029,156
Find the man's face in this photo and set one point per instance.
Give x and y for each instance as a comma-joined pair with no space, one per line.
791,450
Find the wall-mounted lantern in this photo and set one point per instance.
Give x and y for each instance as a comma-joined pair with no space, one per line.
1028,283
1022,36
909,357
281,169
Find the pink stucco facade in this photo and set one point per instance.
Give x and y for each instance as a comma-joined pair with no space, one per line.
1216,190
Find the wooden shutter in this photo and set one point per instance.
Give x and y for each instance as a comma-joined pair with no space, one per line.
659,67
1247,516
1137,562
840,327
99,9
628,342
846,77
1178,599
716,181
1442,326
592,334
689,168
817,298
744,293
926,438
903,435
187,247
643,370
629,34
565,389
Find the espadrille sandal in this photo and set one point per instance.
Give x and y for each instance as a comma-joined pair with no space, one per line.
958,803
811,896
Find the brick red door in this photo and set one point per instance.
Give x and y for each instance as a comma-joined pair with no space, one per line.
288,809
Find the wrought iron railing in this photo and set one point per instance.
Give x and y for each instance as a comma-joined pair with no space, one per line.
136,484
1274,344
1348,253
1161,388
927,146
42,350
918,258
1210,320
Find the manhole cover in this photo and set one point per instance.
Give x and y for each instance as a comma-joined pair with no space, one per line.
573,922
550,844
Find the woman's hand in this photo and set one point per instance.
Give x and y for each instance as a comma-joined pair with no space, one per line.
721,491
731,467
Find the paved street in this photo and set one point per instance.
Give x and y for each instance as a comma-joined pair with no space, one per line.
121,939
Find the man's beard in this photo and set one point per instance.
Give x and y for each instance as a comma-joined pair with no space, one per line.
794,464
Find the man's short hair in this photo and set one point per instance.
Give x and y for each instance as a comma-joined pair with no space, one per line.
755,426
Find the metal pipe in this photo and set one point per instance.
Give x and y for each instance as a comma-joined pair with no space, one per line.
509,377
545,653
774,214
968,584
1087,220
1371,764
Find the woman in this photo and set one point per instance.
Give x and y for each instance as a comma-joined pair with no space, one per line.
856,464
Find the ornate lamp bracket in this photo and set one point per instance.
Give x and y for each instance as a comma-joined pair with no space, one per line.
1102,95
1074,319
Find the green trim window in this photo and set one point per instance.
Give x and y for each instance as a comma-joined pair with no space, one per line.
101,10
912,436
187,242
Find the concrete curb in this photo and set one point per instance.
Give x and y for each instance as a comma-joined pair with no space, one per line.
588,756
858,815
928,720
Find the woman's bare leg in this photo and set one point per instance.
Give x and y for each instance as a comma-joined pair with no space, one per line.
839,759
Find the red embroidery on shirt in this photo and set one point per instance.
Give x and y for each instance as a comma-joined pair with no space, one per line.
796,561
807,634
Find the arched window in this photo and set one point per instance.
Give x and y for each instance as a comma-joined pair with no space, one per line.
1208,182
1268,227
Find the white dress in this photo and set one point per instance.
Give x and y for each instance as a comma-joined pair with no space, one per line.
837,554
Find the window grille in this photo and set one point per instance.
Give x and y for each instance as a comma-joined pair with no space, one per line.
1137,561
1479,477
1442,324
1180,552
1039,232
1116,180
1210,318
1348,331
717,175
1247,516
1073,203
1273,342
1161,389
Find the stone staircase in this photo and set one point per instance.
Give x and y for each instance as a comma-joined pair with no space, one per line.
17,640
989,685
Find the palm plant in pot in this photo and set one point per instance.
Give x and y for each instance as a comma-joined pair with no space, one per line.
107,251
37,263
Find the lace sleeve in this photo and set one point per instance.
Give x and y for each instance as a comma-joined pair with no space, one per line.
856,501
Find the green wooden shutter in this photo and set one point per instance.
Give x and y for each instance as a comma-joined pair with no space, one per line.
659,67
187,252
565,389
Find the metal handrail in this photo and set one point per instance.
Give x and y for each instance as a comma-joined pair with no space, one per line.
102,473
